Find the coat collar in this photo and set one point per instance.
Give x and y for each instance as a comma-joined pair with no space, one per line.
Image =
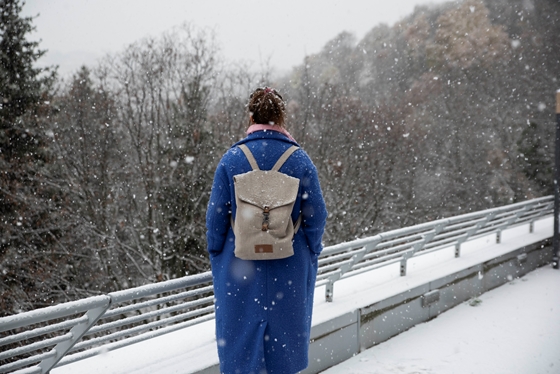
257,135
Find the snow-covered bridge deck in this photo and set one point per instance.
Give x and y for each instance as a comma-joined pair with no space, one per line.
513,329
368,308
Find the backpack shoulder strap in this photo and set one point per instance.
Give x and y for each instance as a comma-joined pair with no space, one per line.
284,157
249,156
297,224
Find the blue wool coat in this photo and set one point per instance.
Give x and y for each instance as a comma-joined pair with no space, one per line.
263,308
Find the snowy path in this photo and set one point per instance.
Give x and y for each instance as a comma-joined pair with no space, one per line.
514,329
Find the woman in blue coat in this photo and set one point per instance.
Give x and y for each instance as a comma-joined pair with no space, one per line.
264,307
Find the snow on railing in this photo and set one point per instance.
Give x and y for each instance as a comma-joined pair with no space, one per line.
38,340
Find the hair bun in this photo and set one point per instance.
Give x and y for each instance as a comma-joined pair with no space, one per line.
266,106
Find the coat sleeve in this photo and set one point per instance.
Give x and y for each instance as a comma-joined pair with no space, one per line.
313,209
218,212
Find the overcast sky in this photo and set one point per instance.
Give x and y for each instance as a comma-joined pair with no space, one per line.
77,32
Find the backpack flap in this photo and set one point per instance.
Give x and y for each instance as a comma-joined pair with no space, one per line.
270,188
266,206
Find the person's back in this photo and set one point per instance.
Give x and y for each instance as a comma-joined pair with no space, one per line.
263,307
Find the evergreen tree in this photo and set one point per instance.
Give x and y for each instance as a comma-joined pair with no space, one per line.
536,156
27,202
21,84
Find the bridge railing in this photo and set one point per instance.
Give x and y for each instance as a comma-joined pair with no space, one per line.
41,339
38,340
352,258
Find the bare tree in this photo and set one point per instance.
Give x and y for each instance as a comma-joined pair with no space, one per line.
162,90
90,158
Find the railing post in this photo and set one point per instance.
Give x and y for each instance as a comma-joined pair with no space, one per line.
78,331
357,257
556,238
329,290
403,267
457,250
427,237
498,236
531,227
471,232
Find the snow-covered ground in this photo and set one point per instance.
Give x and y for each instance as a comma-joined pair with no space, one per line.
513,329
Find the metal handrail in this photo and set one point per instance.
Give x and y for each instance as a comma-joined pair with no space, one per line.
84,328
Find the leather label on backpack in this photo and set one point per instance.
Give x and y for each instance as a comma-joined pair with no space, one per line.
263,248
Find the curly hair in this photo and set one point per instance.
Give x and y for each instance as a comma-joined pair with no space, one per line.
267,107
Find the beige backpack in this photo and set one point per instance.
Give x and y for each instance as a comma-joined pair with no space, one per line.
263,224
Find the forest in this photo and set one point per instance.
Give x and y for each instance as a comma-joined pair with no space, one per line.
105,177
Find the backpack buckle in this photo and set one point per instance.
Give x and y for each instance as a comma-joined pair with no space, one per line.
266,215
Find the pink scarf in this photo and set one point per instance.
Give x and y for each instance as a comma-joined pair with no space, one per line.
279,129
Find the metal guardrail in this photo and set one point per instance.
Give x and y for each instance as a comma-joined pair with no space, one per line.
352,258
38,340
61,334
